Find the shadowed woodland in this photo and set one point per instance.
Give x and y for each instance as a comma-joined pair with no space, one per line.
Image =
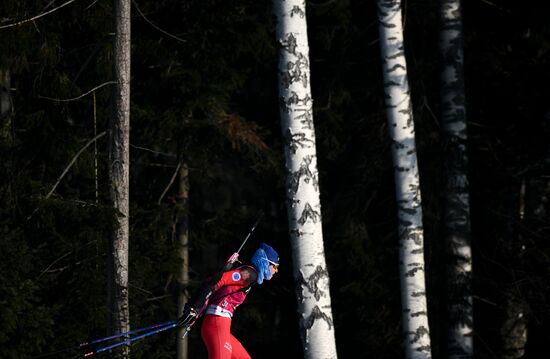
204,98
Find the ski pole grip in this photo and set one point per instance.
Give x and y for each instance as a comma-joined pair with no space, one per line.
229,264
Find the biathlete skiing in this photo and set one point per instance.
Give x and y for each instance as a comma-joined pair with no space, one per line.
220,295
216,299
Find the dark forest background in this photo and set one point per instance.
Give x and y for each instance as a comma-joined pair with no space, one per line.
204,91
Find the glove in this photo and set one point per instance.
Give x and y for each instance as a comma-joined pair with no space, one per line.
196,304
229,264
188,317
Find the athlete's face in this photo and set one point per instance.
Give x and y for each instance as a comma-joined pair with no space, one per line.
273,269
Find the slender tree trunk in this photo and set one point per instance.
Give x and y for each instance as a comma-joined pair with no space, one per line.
456,193
5,103
407,186
534,232
302,182
119,163
5,93
514,325
182,232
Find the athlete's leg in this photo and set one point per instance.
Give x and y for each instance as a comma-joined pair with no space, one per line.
216,336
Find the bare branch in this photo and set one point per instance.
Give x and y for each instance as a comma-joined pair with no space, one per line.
61,269
68,167
140,289
170,155
92,4
155,26
37,16
79,97
170,183
54,262
73,161
158,297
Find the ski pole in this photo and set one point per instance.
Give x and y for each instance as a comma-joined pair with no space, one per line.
188,327
225,268
127,341
252,230
235,255
95,341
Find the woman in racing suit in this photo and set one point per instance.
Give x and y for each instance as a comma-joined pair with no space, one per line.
221,295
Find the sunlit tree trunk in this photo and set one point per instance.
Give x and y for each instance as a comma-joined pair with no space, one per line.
182,232
119,164
456,192
407,186
302,182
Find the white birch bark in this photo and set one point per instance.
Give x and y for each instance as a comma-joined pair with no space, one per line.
119,163
456,193
407,186
302,182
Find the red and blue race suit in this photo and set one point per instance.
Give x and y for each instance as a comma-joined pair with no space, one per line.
228,293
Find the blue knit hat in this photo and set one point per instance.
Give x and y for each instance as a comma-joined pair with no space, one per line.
272,255
262,258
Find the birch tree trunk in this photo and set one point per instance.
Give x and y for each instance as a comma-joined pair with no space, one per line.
407,186
302,182
182,232
119,163
456,193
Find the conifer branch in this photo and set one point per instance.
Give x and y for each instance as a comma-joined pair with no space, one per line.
37,16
